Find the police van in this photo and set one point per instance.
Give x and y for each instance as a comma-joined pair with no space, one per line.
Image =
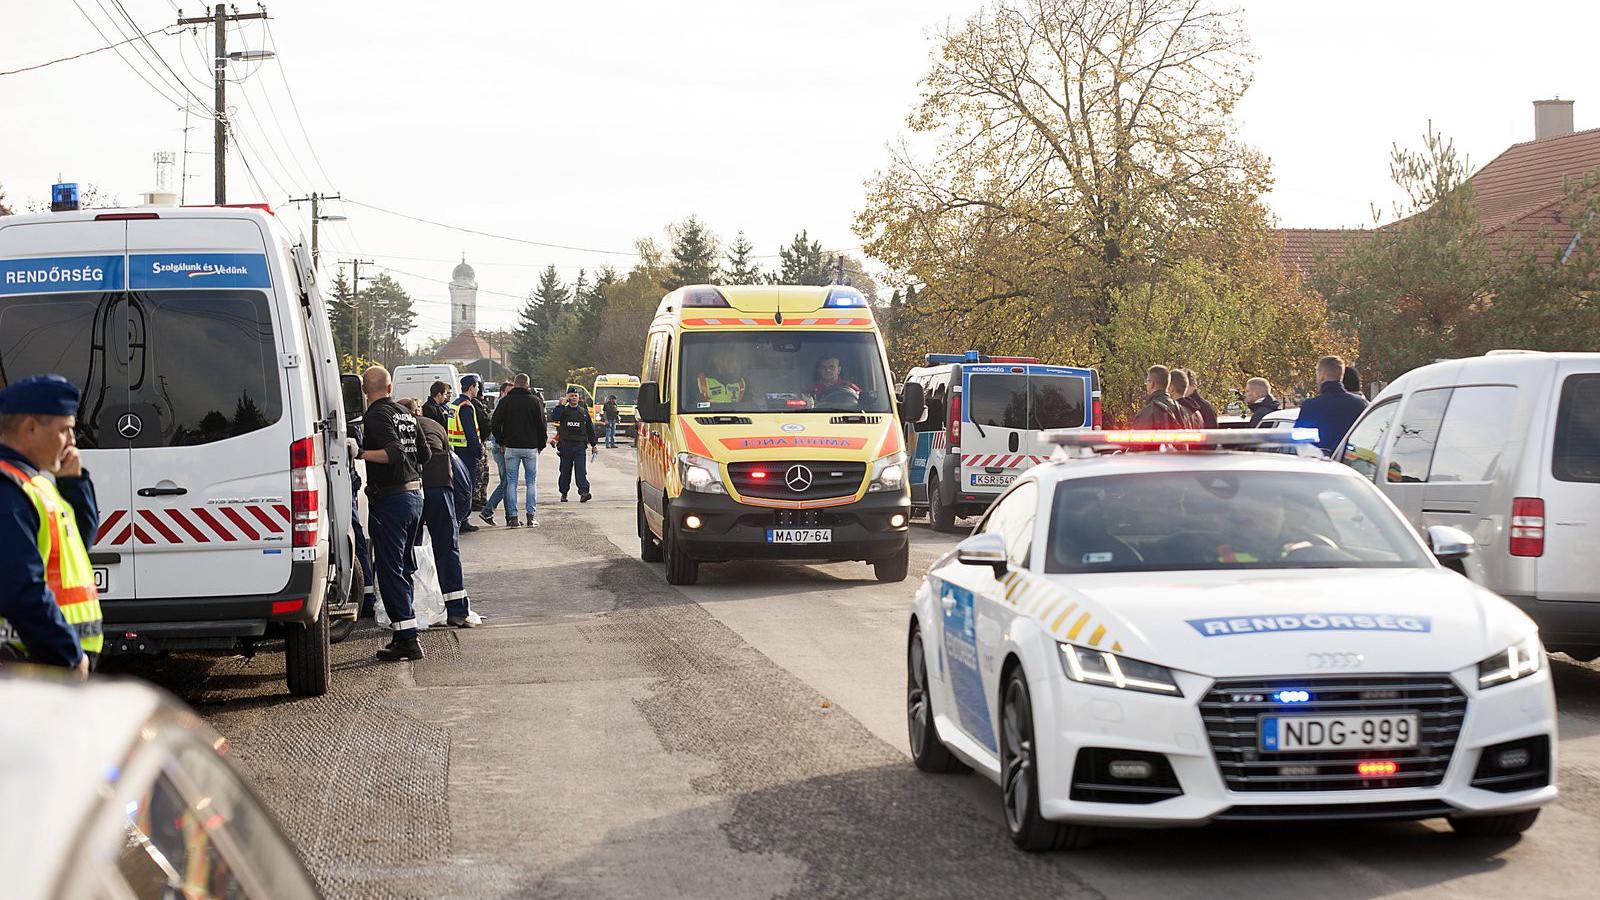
982,425
212,421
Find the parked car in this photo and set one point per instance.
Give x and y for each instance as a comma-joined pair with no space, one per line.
1506,447
117,790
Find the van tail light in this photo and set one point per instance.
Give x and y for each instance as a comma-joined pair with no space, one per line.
955,420
1527,526
1098,421
305,490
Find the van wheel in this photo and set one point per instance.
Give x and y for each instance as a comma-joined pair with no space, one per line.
893,568
649,549
305,652
342,628
1507,825
941,516
927,751
680,568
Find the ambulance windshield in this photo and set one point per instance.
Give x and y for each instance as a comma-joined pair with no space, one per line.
770,371
626,395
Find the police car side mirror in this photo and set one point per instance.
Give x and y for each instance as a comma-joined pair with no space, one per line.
1449,543
913,405
985,549
650,406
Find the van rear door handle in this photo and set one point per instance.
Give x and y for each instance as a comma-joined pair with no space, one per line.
163,492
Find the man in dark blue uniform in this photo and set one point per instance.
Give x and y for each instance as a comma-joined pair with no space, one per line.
1333,410
574,430
36,437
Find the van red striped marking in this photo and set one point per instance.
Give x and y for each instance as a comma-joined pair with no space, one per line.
160,526
108,523
195,525
184,523
205,516
233,515
261,514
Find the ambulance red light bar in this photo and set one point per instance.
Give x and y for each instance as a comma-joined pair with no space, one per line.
1215,437
702,296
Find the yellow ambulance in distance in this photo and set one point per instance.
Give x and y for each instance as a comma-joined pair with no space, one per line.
769,430
626,389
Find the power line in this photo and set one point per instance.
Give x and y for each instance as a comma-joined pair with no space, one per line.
273,42
74,56
489,234
135,69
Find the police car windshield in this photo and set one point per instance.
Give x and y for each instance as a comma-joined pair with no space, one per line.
771,371
1171,521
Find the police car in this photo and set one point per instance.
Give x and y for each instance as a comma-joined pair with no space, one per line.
1180,637
983,425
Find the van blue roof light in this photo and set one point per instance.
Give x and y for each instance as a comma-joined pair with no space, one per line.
971,356
63,197
844,297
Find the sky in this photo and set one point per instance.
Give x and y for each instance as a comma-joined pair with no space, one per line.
589,125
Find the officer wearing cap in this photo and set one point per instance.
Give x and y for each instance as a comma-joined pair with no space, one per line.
49,609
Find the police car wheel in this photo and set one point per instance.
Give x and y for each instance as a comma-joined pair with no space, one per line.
941,516
305,651
1019,781
927,751
649,548
680,568
891,569
1507,825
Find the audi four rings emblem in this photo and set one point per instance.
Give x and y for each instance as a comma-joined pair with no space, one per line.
129,426
1335,660
798,478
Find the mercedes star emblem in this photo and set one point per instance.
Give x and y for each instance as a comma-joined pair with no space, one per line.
798,478
129,426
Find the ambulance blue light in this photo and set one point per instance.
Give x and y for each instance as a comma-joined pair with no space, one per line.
842,297
1294,696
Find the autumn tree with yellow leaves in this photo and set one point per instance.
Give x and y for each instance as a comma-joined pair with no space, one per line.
1072,188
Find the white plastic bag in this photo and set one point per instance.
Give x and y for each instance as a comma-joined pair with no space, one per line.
427,600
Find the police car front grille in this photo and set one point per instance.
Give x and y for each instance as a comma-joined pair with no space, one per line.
1232,708
829,479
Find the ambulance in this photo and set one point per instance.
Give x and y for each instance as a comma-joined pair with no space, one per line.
982,425
626,389
769,430
212,422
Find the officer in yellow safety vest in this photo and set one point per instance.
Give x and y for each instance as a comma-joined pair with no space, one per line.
721,385
49,608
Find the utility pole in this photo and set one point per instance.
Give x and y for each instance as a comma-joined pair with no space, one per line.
355,302
317,218
218,20
838,269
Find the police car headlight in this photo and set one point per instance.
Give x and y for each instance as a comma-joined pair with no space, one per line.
1519,660
889,473
1102,667
699,474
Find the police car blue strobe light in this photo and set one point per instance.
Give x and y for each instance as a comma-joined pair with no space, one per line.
1295,696
1302,440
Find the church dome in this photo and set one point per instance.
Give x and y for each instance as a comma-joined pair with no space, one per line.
463,273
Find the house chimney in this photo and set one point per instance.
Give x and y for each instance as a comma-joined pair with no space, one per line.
1551,118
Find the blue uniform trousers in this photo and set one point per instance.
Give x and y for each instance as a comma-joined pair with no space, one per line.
395,524
574,462
439,517
462,480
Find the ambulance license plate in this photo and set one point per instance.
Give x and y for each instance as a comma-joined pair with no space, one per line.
799,535
1288,734
983,479
102,579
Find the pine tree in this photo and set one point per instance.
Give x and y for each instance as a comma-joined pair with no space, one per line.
802,262
740,266
342,313
538,323
387,317
694,255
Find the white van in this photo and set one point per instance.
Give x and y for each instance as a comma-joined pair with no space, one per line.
982,426
415,381
1506,447
212,421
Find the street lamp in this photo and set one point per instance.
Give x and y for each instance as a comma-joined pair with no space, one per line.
251,55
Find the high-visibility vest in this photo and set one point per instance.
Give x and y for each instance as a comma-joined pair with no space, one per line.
458,434
715,391
66,559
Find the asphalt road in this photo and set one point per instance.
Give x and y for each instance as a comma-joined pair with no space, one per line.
609,735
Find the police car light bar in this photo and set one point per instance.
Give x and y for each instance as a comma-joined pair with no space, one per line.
973,356
1214,437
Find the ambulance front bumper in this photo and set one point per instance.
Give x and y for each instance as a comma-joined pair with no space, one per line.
729,529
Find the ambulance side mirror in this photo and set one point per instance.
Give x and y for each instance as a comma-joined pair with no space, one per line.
913,405
650,407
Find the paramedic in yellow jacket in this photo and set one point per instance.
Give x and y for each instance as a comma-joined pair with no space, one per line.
722,384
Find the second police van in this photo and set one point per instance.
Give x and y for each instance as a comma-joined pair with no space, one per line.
212,422
982,426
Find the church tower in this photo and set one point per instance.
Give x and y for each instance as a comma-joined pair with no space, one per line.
463,298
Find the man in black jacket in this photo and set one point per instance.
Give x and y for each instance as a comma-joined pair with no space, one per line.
1160,411
437,406
574,429
519,428
1191,400
1258,393
394,450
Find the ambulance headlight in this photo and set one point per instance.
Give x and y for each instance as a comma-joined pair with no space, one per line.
1519,660
889,473
699,474
1086,665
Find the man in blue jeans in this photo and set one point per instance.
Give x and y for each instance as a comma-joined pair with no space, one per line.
498,454
519,429
394,451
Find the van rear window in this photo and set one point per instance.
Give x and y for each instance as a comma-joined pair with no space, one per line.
1576,455
59,333
1028,402
210,363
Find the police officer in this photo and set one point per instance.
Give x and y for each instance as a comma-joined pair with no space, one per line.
439,518
574,430
49,609
394,451
467,442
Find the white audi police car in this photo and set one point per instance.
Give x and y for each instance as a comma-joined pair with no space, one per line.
1187,636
